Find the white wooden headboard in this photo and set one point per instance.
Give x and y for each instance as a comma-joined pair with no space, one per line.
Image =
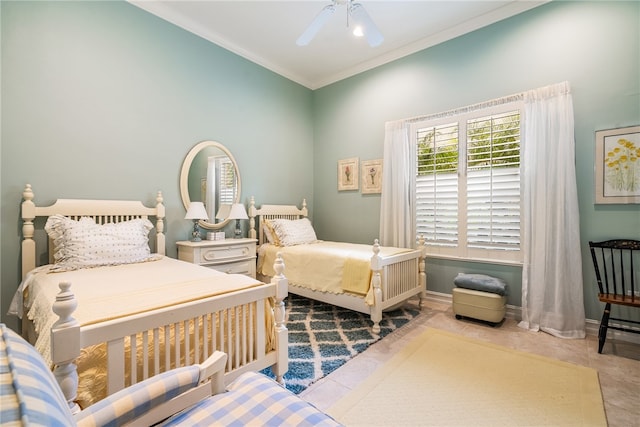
272,212
102,211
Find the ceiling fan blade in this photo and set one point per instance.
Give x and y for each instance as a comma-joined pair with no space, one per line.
315,26
371,32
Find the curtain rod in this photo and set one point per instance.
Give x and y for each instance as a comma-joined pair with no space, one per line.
544,92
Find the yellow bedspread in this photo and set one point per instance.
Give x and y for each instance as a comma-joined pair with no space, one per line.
334,267
111,292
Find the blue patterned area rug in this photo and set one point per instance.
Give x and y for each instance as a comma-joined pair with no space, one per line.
323,337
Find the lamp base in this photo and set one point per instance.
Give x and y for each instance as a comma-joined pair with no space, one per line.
238,232
195,234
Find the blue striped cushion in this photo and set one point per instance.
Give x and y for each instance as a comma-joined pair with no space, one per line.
252,400
29,390
136,400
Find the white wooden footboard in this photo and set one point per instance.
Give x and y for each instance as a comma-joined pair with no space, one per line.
404,274
232,323
395,279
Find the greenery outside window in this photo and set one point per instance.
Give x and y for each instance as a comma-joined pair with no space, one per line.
468,193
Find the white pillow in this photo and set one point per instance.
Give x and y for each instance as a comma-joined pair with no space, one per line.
290,232
267,230
83,243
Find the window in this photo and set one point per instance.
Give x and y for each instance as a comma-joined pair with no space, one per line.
220,184
468,184
227,181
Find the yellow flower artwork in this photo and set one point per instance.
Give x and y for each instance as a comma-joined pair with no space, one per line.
618,165
623,166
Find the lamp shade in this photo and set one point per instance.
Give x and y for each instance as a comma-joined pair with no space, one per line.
223,212
196,211
238,212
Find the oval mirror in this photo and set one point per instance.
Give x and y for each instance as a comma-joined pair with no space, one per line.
210,175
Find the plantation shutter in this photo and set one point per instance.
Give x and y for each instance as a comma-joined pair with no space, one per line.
437,184
493,182
468,184
227,181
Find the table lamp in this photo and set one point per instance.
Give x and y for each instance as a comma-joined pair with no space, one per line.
223,211
238,212
196,212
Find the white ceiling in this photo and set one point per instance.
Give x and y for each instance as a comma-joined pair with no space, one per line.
265,32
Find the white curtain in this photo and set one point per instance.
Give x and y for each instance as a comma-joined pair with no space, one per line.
397,203
552,289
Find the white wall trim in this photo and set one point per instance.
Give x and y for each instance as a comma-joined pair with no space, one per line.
515,312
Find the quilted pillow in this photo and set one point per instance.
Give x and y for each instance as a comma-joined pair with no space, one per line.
290,232
83,243
267,230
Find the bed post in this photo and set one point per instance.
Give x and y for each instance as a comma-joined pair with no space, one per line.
422,246
252,218
160,214
65,344
28,244
282,334
376,309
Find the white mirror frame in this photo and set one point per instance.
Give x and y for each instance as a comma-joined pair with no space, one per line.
184,179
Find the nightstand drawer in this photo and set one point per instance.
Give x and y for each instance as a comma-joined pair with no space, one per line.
235,256
208,255
240,267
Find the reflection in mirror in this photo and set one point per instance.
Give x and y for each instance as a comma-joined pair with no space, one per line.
210,175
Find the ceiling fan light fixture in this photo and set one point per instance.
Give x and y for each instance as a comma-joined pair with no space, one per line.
363,25
362,19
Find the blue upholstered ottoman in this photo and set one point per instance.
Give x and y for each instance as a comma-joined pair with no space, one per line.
480,297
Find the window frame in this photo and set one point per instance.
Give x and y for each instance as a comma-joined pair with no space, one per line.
462,251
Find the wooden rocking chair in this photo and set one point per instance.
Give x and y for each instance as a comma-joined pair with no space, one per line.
617,268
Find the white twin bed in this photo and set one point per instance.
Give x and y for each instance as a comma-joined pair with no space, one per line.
123,314
364,278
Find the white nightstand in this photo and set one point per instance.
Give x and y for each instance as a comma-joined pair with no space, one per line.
228,256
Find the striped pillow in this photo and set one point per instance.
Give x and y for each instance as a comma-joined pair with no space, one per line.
29,392
128,404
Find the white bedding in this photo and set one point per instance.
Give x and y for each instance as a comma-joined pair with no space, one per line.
115,291
333,267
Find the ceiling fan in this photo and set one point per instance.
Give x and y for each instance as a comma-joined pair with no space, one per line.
363,25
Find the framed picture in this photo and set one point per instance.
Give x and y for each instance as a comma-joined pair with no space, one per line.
348,174
371,176
617,168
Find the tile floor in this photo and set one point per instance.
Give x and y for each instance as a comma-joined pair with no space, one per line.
618,367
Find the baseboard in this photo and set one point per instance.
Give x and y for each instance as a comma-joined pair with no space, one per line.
515,312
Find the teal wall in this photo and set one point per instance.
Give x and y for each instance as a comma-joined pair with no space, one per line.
103,100
593,45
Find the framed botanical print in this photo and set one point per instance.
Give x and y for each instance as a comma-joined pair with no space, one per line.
371,176
348,174
617,166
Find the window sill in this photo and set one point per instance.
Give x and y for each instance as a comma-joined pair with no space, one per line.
481,260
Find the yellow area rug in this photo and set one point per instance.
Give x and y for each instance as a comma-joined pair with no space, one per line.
444,379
